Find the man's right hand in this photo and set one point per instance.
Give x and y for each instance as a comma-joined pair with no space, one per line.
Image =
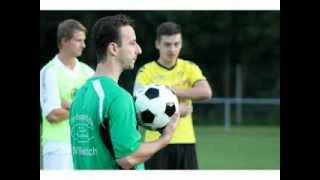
147,149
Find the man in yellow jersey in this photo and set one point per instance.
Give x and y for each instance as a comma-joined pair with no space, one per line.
187,81
59,80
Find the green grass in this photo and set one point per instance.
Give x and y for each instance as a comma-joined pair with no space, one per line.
251,147
245,147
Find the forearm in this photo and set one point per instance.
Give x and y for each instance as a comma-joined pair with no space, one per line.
58,115
195,93
145,151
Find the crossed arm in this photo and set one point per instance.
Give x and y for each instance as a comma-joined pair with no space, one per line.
200,91
59,114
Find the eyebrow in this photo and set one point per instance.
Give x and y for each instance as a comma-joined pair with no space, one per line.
176,42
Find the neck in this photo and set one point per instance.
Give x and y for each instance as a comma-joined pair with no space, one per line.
109,68
167,64
67,60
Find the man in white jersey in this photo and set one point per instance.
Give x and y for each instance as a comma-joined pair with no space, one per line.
59,80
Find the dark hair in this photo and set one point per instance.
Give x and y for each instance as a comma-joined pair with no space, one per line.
168,28
107,30
66,29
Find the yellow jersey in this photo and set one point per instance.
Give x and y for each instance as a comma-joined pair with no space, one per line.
183,75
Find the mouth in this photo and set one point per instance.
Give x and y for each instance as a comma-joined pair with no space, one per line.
171,56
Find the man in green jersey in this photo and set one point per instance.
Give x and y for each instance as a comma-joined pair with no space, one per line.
103,123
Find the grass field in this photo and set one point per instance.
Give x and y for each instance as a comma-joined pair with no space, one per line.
245,147
252,147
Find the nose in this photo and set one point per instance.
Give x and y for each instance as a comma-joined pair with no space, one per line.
139,50
83,44
172,49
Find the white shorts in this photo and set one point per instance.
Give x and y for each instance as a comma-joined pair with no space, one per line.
57,155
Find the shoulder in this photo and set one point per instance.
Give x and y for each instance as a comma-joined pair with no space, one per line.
147,67
187,64
52,65
48,77
110,87
86,67
48,69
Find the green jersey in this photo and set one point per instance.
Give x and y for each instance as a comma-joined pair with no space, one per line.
103,125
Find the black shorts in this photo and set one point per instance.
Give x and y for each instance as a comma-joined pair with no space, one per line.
174,156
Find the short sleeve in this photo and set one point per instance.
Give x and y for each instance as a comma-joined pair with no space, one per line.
49,92
125,137
195,73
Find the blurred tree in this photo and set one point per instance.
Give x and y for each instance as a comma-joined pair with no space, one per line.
215,40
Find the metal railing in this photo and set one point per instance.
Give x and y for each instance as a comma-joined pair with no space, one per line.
238,101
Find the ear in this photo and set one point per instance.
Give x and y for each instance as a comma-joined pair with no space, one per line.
113,48
63,41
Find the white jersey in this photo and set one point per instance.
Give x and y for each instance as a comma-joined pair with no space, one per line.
49,92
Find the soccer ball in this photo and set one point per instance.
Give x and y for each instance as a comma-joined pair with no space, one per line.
155,105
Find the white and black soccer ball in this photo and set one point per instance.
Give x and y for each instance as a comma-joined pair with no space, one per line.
155,105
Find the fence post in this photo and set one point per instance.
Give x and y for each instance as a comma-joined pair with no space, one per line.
227,115
238,94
